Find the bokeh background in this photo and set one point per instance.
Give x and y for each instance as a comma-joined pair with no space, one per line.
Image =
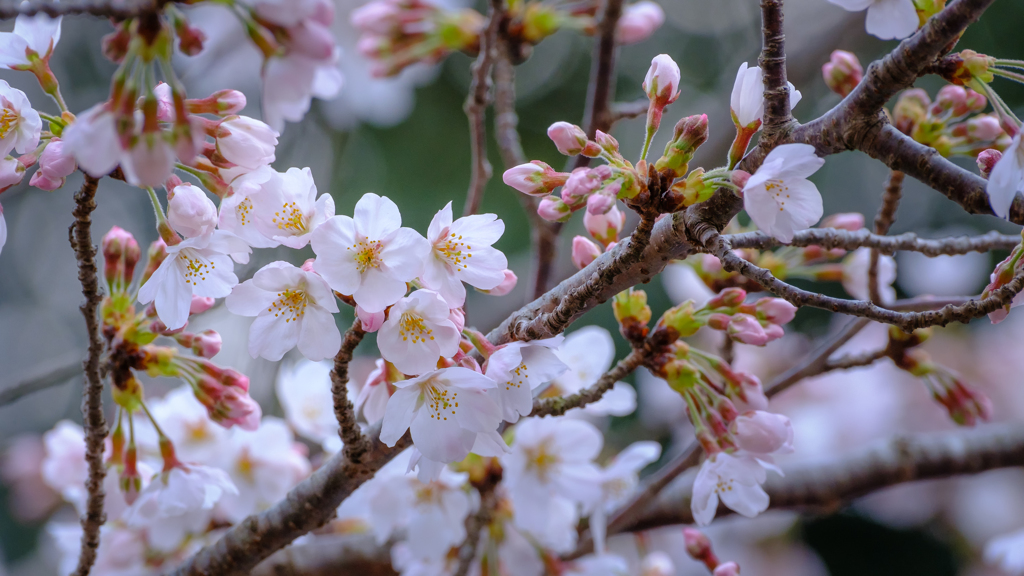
407,138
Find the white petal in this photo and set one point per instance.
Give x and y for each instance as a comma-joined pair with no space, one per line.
399,414
377,216
319,337
248,300
270,337
440,438
892,19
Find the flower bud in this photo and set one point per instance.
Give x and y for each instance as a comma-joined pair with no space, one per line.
582,182
311,39
190,212
728,298
607,142
910,110
681,319
568,138
739,178
246,142
975,66
775,310
584,251
952,99
458,317
851,221
190,38
553,209
842,72
638,22
984,128
763,433
693,190
221,103
200,304
987,161
605,227
155,256
376,17
727,569
114,46
602,202
535,178
662,81
206,344
630,307
746,329
690,133
54,166
506,286
372,321
120,255
975,102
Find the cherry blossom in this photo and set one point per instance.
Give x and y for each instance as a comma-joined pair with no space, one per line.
1007,552
3,229
304,391
778,197
418,332
292,307
20,124
519,368
373,397
237,215
121,551
639,21
190,212
445,410
886,19
598,565
64,468
1007,178
33,35
246,142
747,99
286,208
462,252
370,256
589,353
195,267
855,275
735,479
619,480
92,139
763,434
186,422
290,83
54,166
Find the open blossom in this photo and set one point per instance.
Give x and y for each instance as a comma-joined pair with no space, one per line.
236,209
36,35
92,139
618,482
63,467
886,19
20,124
246,142
186,422
855,275
747,99
291,82
1007,178
462,252
735,480
286,208
418,332
445,410
292,307
304,391
778,197
519,368
370,256
195,267
589,352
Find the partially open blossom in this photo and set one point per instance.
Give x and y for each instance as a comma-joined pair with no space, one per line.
418,332
369,257
763,433
746,329
584,251
462,252
446,411
246,142
735,480
778,197
534,178
568,138
886,19
287,209
747,99
20,126
92,139
37,34
662,81
54,166
519,368
190,212
842,72
1007,178
292,307
507,284
638,22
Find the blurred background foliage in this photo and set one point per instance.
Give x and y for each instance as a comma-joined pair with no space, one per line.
412,145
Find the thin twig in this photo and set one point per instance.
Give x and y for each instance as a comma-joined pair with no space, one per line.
356,444
830,238
476,110
115,10
562,404
883,221
627,110
95,424
855,360
816,362
55,374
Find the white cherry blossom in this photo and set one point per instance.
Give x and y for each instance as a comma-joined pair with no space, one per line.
92,139
589,352
236,210
763,434
3,229
1007,552
736,480
64,467
418,332
190,212
291,82
292,307
1007,178
598,565
369,257
246,142
747,98
778,197
122,551
855,275
286,208
619,480
886,19
445,410
187,423
372,400
36,35
195,267
462,252
20,124
519,368
304,391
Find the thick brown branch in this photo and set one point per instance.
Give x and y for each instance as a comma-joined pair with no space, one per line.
115,10
562,404
476,110
330,555
94,423
356,444
830,238
894,461
883,221
777,115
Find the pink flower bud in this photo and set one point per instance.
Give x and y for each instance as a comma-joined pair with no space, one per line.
987,161
41,181
581,183
246,142
746,329
763,433
200,304
976,102
190,212
776,310
739,178
727,569
842,72
120,255
600,203
584,252
568,138
311,39
638,22
206,344
378,17
372,321
951,98
54,162
535,178
719,321
662,81
506,286
607,142
553,209
164,102
984,128
697,544
774,332
605,227
727,298
851,221
323,12
458,317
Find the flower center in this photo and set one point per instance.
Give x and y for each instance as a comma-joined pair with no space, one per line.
454,251
242,211
291,219
440,402
779,191
517,377
291,304
196,267
8,120
412,326
724,485
367,254
542,461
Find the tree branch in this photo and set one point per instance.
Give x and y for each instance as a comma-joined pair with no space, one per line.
115,10
476,110
562,404
777,115
54,374
829,238
883,221
80,235
356,444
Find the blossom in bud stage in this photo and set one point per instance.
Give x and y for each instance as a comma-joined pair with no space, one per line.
372,321
778,197
54,166
638,22
1007,552
911,109
855,275
582,182
568,138
370,256
33,35
12,172
519,368
602,202
292,307
698,546
507,284
605,228
20,126
190,212
589,352
631,311
747,99
842,72
150,161
735,480
552,209
851,221
534,178
93,140
886,19
1007,178
376,17
662,81
984,128
689,134
584,251
763,434
225,395
727,569
221,103
120,255
286,208
462,252
987,160
197,266
775,310
746,329
206,344
246,142
448,412
418,332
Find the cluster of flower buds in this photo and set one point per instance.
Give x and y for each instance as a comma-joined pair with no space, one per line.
756,324
842,72
1001,276
951,124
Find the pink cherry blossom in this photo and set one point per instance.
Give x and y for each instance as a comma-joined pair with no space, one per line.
246,142
735,480
36,35
190,212
584,251
286,208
